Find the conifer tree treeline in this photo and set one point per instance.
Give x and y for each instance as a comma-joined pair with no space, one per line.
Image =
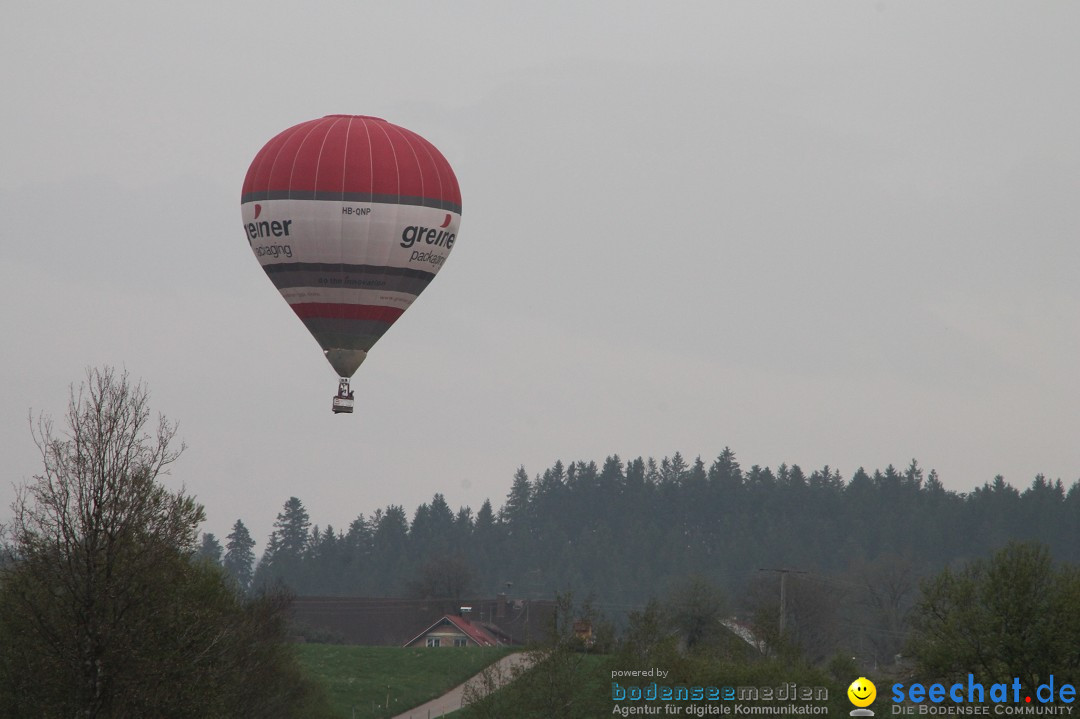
624,531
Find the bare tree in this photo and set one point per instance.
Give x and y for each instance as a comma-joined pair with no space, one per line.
89,533
104,611
889,587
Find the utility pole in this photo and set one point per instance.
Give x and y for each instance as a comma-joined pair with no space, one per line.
783,572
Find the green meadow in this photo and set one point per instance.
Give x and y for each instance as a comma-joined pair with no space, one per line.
379,682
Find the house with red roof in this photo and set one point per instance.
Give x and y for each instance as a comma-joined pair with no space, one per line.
457,631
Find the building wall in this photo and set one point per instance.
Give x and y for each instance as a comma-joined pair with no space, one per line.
446,637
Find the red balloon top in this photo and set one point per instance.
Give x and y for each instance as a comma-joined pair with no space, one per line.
352,158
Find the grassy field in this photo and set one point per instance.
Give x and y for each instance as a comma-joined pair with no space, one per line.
361,679
587,693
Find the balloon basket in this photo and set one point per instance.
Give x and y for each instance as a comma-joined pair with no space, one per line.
343,400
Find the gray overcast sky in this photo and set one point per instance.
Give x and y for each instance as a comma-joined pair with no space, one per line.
836,233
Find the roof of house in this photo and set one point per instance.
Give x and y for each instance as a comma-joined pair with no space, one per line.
475,632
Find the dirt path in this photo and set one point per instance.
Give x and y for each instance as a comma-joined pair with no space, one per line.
451,701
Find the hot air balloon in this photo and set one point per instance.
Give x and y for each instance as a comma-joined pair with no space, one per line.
351,217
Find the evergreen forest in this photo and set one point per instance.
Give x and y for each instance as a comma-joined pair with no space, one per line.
623,532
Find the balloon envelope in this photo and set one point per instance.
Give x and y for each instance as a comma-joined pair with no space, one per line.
351,217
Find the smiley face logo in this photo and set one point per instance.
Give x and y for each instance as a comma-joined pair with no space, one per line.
862,692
